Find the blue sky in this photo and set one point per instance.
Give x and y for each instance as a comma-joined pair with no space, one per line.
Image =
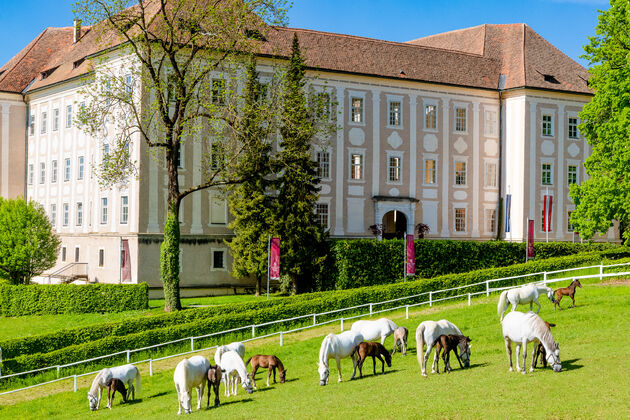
564,23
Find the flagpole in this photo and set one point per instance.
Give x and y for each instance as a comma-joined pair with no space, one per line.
510,215
527,240
405,257
547,217
268,262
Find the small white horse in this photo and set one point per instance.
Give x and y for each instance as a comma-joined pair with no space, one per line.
373,330
525,294
428,332
237,346
233,366
525,328
190,373
127,374
337,346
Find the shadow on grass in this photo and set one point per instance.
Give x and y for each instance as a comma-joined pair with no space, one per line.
371,375
159,394
224,403
569,365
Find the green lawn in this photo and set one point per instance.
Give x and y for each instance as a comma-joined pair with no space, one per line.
593,384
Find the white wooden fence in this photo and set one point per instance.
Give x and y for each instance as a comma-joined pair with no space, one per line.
541,277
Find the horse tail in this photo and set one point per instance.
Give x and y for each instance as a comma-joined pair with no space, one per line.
420,346
354,350
502,303
247,362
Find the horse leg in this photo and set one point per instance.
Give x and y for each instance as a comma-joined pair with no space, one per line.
179,401
518,356
426,357
382,364
215,386
524,347
508,349
254,370
435,361
539,307
535,350
558,302
458,358
572,295
200,389
269,369
339,369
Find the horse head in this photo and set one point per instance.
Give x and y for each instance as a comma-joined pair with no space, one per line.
464,350
93,401
323,374
553,358
247,385
551,295
283,375
185,401
388,357
577,282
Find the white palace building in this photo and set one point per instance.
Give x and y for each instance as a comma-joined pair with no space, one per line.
433,130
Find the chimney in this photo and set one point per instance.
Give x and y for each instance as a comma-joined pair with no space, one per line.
77,30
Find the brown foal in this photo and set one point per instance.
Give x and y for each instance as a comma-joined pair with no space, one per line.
376,350
540,351
570,291
270,362
115,385
214,380
446,343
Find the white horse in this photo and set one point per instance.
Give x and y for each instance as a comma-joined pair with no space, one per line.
373,330
525,294
190,373
237,346
127,374
233,366
428,332
525,328
337,346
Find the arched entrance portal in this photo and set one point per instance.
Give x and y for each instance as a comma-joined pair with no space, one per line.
394,225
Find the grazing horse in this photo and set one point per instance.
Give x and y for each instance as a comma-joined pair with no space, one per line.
376,350
373,330
190,373
447,343
540,350
237,346
214,381
400,339
127,374
525,328
566,291
234,367
427,332
267,361
115,385
525,294
337,346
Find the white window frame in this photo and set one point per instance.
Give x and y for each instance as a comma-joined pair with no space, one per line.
80,167
53,214
212,251
434,158
66,169
577,172
79,213
43,127
390,100
457,106
65,217
77,253
101,258
490,126
552,170
573,114
488,163
69,116
326,202
356,95
456,160
426,103
53,171
55,125
31,125
460,206
487,211
221,84
124,210
64,253
104,210
395,154
549,113
31,173
351,152
42,172
324,152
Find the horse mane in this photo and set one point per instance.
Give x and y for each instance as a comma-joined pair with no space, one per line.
542,331
280,365
323,348
96,384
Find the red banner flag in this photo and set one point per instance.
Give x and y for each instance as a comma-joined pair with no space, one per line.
530,239
274,259
411,256
548,202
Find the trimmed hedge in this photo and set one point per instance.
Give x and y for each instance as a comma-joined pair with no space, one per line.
198,323
368,262
69,298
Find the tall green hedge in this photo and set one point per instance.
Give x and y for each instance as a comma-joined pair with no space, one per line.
368,262
70,298
147,331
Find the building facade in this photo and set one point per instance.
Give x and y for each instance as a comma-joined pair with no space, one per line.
437,130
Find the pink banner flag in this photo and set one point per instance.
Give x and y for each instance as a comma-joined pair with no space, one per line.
274,259
530,239
548,202
411,256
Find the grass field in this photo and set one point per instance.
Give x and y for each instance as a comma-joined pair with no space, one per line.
594,382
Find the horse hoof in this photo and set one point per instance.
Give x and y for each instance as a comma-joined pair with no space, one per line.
510,370
425,375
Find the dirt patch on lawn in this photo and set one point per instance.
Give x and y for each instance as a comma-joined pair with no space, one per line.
614,282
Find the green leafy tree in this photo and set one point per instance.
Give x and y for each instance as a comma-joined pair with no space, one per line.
605,196
250,202
156,82
28,246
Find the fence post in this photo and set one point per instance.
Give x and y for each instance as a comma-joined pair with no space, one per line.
314,319
281,343
468,299
370,309
150,367
58,369
601,270
127,356
253,331
75,383
407,312
430,298
341,324
545,278
487,288
192,343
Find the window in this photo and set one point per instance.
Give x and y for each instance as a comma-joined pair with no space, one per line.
546,174
69,116
572,174
357,110
460,120
105,149
430,117
76,254
322,105
356,166
217,156
491,220
101,257
128,84
103,210
31,125
66,170
491,123
31,174
570,227
323,165
460,220
573,130
491,175
63,253
547,125
66,214
321,213
80,168
218,91
394,167
53,214
108,93
79,214
44,123
53,171
218,259
55,126
42,172
460,173
124,209
430,171
395,113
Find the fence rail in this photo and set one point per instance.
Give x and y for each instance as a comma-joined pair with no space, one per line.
371,311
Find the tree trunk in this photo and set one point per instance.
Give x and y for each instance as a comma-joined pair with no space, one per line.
169,250
258,285
294,285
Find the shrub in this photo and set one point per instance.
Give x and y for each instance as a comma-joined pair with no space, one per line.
68,298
